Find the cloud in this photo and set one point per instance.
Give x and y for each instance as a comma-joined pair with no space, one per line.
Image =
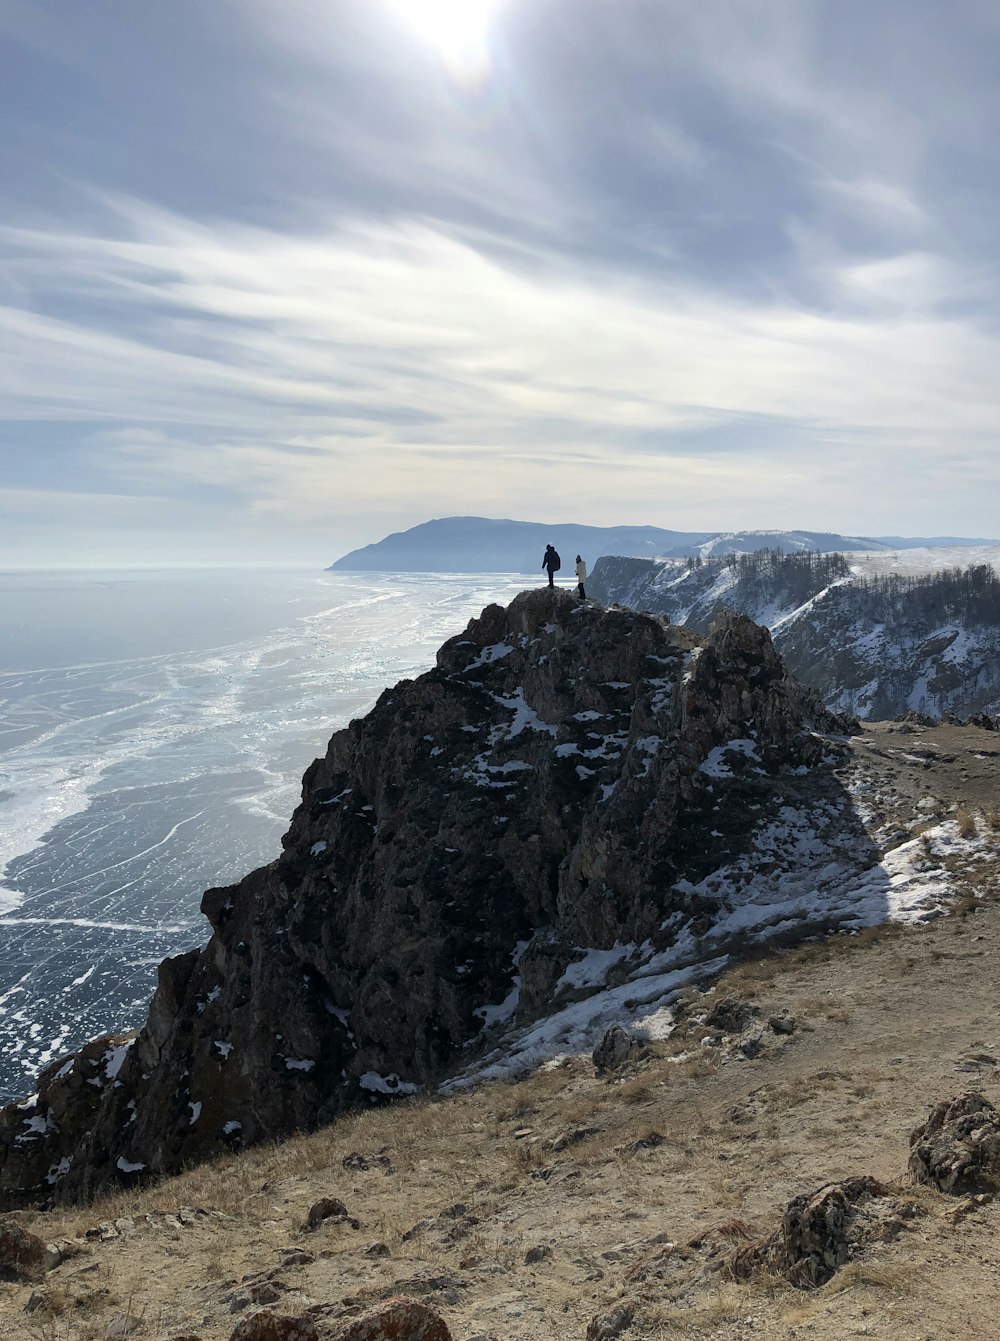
664,262
412,366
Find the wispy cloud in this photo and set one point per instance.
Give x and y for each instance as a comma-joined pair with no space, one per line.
381,341
691,264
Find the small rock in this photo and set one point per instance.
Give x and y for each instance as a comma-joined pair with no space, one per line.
267,1291
123,1324
22,1254
612,1322
397,1320
615,1049
57,1253
648,1141
732,1015
297,1257
378,1249
537,1254
35,1300
268,1326
782,1024
329,1208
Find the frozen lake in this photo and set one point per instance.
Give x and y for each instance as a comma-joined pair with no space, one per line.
154,728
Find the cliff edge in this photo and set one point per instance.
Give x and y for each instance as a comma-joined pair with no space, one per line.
564,777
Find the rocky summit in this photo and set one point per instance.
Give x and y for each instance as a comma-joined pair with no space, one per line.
564,777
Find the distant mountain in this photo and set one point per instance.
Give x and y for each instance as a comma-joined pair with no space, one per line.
489,545
873,644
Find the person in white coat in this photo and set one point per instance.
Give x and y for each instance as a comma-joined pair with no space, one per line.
581,577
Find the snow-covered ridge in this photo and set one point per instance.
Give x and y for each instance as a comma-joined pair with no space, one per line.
878,634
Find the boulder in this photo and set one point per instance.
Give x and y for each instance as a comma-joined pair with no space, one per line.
268,1326
732,1015
958,1148
611,1322
783,1023
983,720
819,1231
397,1320
616,1048
23,1255
329,1208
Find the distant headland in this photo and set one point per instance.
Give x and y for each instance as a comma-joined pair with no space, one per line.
499,545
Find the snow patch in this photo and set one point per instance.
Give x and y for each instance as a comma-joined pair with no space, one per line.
716,766
592,970
391,1084
488,655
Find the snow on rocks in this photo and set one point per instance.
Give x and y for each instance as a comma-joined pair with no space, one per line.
463,899
391,1084
717,765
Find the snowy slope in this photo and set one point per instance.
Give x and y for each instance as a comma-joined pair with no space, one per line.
870,650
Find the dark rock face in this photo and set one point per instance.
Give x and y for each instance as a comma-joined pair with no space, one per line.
540,789
958,1148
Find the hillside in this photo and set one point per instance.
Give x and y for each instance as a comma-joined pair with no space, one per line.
875,643
529,1210
570,796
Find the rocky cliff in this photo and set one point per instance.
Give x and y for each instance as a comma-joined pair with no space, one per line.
559,779
875,646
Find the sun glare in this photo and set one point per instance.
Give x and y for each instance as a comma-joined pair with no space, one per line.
458,29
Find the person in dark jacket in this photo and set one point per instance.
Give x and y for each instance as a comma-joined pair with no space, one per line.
551,562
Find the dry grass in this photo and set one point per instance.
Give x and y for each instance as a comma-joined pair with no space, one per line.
663,1158
872,1276
966,903
966,822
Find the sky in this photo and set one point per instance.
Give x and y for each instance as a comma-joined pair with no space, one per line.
278,277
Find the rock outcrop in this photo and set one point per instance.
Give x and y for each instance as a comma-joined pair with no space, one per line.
958,1148
549,784
821,1231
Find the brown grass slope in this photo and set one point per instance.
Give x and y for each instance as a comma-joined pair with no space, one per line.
521,1210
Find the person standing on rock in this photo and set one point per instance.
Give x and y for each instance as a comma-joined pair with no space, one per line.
551,562
581,577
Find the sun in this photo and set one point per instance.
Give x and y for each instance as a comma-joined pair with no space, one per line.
458,29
